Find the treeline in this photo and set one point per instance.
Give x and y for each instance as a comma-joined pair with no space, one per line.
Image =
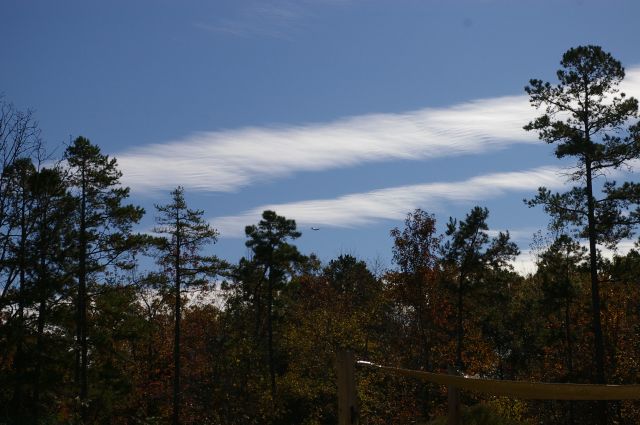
88,335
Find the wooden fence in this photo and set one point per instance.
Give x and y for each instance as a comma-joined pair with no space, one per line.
348,413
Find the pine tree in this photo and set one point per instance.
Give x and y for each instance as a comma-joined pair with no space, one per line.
586,116
18,176
275,256
102,234
469,253
48,250
179,254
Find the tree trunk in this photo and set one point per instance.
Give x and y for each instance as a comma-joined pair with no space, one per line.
176,344
595,289
601,407
81,356
459,327
18,394
272,370
42,310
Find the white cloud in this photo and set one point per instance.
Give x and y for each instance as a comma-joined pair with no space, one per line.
226,161
393,203
631,83
526,262
266,18
524,234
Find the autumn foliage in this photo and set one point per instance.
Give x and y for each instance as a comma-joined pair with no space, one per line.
100,324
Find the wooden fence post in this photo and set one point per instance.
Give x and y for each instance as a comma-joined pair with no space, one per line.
348,413
453,399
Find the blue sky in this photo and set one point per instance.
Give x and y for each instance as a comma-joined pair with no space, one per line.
342,114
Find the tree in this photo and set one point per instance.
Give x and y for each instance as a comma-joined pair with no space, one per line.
417,285
102,234
49,248
586,116
469,254
19,142
40,209
275,257
416,250
18,176
339,308
28,216
354,288
180,255
20,146
350,277
557,269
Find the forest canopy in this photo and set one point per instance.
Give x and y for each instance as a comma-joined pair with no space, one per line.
87,336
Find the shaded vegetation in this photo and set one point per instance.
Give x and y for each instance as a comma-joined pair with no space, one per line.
87,337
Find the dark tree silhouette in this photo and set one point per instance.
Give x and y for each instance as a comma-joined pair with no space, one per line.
103,234
18,176
19,141
180,255
268,241
469,253
586,116
48,253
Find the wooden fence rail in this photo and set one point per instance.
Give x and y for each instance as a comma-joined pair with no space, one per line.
515,389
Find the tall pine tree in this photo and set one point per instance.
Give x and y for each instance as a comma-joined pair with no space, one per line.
586,116
102,234
187,233
274,256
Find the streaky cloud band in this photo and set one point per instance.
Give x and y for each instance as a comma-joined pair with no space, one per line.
226,161
361,209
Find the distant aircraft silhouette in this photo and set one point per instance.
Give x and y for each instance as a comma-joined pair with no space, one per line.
315,228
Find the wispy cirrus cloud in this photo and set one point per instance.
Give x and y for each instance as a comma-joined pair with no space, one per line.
226,161
393,203
270,19
266,18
